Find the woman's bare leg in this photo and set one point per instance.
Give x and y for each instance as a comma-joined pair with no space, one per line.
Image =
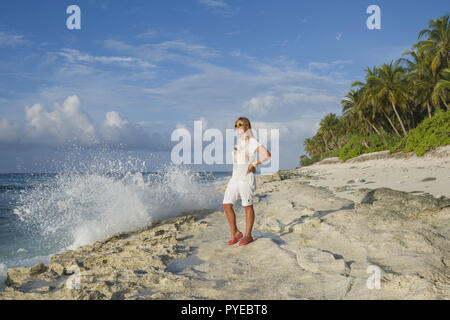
231,217
249,219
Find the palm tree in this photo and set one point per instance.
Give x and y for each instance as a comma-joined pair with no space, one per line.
420,79
355,111
328,129
368,99
389,85
437,45
442,89
314,145
349,116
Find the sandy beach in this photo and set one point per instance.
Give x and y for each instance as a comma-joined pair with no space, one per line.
374,227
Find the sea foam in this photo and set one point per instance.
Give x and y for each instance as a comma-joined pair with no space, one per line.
76,208
3,270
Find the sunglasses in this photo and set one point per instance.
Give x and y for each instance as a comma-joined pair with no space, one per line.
240,125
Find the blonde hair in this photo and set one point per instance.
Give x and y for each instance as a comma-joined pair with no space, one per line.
245,120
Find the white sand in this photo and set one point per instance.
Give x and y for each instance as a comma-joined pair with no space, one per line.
395,173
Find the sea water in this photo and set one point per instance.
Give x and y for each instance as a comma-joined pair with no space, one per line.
43,214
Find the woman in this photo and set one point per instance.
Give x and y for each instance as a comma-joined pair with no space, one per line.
242,183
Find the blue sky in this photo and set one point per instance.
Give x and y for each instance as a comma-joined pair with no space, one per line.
139,69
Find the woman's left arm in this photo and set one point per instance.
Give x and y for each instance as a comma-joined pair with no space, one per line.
265,155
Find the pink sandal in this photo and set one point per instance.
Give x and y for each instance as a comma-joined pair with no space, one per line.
244,242
239,237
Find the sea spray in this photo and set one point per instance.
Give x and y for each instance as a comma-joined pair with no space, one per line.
3,275
79,206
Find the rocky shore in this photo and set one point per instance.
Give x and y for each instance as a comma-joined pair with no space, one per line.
372,229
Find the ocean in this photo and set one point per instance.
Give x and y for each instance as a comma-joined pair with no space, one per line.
42,214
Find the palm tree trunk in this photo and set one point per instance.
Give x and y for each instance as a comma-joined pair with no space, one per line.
374,128
429,111
390,122
382,128
446,105
325,142
399,119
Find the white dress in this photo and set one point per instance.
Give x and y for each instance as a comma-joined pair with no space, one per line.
242,184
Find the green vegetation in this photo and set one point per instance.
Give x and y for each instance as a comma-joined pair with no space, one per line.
430,133
358,145
401,106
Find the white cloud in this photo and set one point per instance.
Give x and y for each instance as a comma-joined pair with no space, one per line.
289,129
339,62
235,53
113,119
149,34
73,55
8,39
236,32
9,132
117,131
171,50
319,65
219,7
258,125
326,65
280,44
294,104
228,90
65,124
213,3
260,105
181,126
69,125
338,36
191,49
76,69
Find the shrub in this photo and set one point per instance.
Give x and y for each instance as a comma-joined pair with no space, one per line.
358,145
430,133
305,161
